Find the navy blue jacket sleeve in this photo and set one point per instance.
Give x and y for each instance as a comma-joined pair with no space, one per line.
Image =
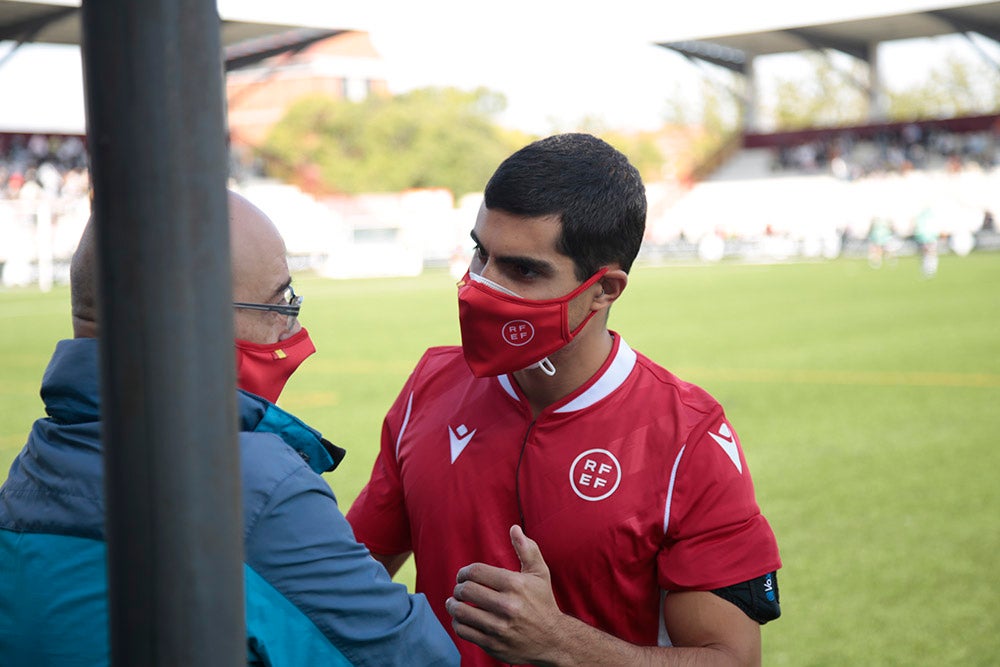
315,595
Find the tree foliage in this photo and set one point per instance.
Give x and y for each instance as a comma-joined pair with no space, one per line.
826,96
431,137
712,120
426,138
639,147
642,151
957,87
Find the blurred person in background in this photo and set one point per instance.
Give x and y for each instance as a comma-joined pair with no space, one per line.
881,243
314,595
926,233
567,500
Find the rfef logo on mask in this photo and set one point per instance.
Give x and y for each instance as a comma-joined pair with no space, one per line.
518,332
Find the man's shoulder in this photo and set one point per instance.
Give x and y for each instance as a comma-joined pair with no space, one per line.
267,455
442,360
270,464
669,386
442,354
259,415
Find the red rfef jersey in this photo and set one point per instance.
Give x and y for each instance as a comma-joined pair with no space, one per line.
633,484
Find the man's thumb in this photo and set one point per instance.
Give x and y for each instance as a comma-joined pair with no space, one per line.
528,552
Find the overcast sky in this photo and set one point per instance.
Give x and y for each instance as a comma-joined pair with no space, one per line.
556,60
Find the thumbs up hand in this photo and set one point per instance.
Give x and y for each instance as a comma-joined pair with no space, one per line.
513,616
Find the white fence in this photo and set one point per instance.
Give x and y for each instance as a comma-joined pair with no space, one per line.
38,237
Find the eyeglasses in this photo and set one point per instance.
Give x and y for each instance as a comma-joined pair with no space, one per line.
291,305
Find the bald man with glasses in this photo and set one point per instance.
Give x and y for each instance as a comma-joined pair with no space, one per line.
314,595
270,341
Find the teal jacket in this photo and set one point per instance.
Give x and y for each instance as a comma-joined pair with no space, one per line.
314,595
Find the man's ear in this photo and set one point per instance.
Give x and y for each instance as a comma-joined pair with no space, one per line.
612,285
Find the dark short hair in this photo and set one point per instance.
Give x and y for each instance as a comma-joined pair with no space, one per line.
595,190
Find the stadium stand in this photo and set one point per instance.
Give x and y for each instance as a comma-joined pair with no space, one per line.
816,192
44,205
809,194
44,185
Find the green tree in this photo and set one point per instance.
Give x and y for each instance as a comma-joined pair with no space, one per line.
717,127
640,147
956,87
431,137
825,96
641,150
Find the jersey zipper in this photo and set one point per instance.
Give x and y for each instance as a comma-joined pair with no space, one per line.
517,475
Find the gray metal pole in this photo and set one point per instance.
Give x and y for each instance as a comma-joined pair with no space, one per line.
156,130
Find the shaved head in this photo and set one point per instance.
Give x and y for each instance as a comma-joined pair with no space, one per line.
259,273
253,241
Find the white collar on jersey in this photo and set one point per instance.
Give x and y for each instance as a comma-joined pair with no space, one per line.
612,378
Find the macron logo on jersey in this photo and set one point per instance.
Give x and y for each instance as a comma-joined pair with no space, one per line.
459,437
727,441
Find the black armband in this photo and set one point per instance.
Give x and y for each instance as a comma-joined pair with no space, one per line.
758,598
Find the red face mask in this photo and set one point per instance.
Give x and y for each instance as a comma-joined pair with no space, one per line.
264,369
503,333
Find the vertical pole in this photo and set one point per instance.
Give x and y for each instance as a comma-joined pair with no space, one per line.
878,103
156,131
750,122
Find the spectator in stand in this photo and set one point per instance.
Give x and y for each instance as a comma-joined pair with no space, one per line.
989,223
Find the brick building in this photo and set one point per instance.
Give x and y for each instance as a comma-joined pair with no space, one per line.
343,66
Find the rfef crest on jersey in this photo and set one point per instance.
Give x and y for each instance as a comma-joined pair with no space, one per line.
518,332
595,474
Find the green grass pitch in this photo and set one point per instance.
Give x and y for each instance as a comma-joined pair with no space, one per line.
867,402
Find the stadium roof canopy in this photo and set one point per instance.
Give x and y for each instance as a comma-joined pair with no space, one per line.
733,42
246,38
827,29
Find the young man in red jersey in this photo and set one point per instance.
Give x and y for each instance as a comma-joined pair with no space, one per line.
591,507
